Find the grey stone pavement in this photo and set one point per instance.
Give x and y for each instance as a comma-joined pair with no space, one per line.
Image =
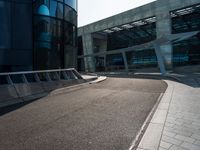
176,122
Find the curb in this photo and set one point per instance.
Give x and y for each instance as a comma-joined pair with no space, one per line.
145,125
76,87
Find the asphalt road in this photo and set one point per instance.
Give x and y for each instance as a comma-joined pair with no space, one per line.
103,116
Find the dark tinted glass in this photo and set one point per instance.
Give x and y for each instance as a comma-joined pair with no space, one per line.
16,78
70,15
53,8
72,3
5,25
187,52
30,77
3,80
60,10
21,18
52,32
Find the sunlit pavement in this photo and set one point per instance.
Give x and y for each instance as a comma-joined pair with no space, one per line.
101,116
176,123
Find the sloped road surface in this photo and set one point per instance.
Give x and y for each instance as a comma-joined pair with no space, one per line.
103,116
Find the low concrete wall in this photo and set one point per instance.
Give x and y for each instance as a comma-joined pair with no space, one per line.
29,91
8,95
17,93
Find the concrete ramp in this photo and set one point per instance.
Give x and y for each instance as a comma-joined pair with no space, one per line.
26,86
8,95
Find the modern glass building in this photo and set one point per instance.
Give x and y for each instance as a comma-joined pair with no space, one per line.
160,36
37,34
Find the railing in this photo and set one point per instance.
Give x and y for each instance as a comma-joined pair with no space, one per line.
38,76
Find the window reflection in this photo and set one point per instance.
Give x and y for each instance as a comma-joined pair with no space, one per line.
72,3
53,8
43,10
54,33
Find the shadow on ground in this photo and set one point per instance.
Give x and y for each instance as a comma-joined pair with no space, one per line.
7,109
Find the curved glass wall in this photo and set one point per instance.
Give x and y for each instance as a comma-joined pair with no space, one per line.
15,35
54,28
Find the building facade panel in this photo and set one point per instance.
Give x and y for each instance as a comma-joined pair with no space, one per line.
156,27
37,34
55,29
16,35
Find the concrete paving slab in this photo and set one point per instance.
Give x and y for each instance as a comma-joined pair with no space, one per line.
181,129
159,117
151,138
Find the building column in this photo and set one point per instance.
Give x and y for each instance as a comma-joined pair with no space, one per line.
163,29
125,61
87,50
105,62
160,59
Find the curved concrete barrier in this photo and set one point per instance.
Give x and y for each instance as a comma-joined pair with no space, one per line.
8,95
31,87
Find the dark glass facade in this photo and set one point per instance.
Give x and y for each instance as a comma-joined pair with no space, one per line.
15,35
37,34
55,28
142,59
186,52
133,36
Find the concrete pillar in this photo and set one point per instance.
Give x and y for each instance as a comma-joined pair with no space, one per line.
125,61
163,29
88,49
160,59
105,62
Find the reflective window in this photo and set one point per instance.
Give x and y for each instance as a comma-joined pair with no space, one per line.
70,15
142,59
186,19
53,8
5,25
43,10
72,3
52,32
133,36
60,10
187,52
21,32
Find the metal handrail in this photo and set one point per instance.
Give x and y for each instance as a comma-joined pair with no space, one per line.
38,71
68,74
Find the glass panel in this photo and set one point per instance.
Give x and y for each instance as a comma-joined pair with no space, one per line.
5,25
70,15
50,38
43,10
30,77
114,62
72,3
42,29
186,23
134,36
60,10
142,59
3,80
22,26
53,8
16,78
187,52
53,76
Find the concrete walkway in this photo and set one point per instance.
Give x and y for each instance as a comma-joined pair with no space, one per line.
176,122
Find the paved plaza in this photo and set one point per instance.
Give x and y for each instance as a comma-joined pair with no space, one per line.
176,122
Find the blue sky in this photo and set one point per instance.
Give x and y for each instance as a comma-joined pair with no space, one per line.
93,10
